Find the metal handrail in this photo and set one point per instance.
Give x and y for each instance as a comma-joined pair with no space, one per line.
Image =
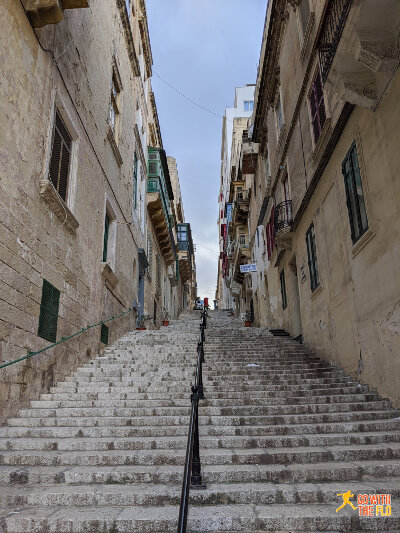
192,473
31,354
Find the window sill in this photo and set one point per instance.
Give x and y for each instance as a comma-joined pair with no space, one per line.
307,35
322,139
362,241
108,273
114,146
316,292
58,206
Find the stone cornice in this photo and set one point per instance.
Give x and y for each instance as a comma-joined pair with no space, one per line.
155,116
130,45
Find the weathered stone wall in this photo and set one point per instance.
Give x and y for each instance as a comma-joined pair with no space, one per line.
35,243
353,317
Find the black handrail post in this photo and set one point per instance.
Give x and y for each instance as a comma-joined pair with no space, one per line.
196,479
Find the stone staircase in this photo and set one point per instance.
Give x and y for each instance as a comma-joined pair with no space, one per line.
281,434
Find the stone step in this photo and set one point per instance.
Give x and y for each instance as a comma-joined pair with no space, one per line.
213,420
214,494
274,517
184,402
179,442
211,430
308,454
248,473
235,410
61,396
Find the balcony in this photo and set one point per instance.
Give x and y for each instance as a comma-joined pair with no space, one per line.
283,221
358,49
43,12
335,19
158,203
185,251
241,207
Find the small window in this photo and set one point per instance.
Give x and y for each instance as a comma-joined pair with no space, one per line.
279,115
104,334
317,106
354,194
49,312
106,232
312,257
114,107
283,289
60,157
248,105
135,176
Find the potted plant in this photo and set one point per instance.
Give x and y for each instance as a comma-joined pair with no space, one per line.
248,319
165,320
142,322
231,313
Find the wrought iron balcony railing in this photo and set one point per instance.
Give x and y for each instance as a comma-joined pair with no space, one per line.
334,21
283,216
242,196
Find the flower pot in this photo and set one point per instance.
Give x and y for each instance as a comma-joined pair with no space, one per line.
232,313
165,322
247,323
141,328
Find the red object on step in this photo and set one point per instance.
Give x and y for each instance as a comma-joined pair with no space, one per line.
205,302
247,323
165,322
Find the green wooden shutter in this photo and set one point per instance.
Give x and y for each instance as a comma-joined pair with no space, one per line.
49,312
104,334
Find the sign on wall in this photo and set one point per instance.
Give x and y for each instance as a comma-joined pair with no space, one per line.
252,267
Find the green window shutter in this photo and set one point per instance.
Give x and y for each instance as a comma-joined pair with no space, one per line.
49,312
60,157
105,245
104,334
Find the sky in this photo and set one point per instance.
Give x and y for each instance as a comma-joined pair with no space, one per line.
204,49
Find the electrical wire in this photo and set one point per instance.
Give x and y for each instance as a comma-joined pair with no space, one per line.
190,99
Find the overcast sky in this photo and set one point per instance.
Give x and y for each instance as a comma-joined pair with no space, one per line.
204,48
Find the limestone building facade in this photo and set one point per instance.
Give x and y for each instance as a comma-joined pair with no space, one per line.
77,115
324,204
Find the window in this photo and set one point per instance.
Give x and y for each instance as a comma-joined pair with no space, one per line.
106,232
104,334
150,255
283,289
317,106
158,275
270,231
354,194
312,257
114,108
135,174
60,157
49,312
279,115
304,15
248,105
182,233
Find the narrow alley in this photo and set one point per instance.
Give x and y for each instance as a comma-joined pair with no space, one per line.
282,433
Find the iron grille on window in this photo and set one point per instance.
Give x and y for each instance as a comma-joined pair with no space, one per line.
49,312
335,19
317,105
283,216
60,157
104,334
354,194
312,257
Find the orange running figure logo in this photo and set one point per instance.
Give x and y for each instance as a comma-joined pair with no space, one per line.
346,500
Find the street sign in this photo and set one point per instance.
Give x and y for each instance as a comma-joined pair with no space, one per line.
248,268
